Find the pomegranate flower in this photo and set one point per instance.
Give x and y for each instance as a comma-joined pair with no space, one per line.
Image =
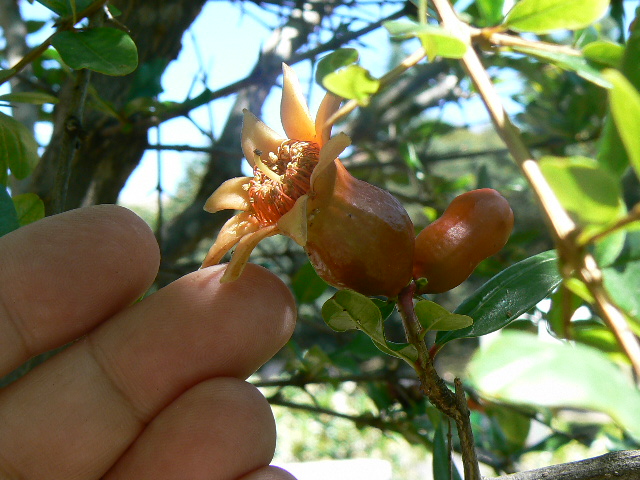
274,200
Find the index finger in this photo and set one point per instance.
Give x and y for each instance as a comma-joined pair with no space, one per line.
65,274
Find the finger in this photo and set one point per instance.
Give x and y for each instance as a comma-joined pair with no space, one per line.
102,391
218,430
65,274
269,473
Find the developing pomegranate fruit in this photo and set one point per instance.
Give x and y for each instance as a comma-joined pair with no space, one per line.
356,235
474,226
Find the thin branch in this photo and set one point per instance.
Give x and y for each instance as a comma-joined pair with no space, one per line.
386,79
434,387
498,39
619,465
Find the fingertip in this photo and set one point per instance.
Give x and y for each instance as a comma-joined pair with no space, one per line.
269,473
262,288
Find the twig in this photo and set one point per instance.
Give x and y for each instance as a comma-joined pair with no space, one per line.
619,465
498,39
70,139
434,387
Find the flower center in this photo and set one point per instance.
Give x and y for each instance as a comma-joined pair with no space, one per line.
281,179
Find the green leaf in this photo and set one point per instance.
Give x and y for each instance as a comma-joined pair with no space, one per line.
518,368
34,98
18,148
104,50
611,152
625,273
66,8
543,16
29,208
443,467
307,286
435,40
435,317
8,216
439,43
588,191
573,63
624,103
352,82
490,10
605,53
506,296
336,60
513,425
348,310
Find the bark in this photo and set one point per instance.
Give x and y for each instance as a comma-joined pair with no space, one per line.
615,466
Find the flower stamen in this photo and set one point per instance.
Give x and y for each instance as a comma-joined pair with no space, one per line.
264,169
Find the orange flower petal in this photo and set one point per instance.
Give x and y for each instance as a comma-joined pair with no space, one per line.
294,112
231,195
330,151
231,233
257,136
294,223
243,251
329,105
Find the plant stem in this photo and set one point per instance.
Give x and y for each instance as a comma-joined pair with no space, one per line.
434,387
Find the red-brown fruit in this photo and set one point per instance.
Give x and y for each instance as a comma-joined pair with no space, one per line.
474,226
358,235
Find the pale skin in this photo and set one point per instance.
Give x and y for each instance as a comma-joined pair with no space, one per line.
149,390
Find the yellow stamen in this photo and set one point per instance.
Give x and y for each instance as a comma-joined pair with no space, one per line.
264,169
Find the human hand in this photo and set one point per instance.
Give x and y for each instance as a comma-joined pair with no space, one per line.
151,390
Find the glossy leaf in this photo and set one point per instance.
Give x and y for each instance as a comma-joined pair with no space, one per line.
435,317
506,296
623,273
34,98
572,63
336,60
66,7
435,40
521,369
611,152
18,148
491,10
105,50
588,191
543,16
29,208
8,216
605,53
348,310
352,82
624,103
